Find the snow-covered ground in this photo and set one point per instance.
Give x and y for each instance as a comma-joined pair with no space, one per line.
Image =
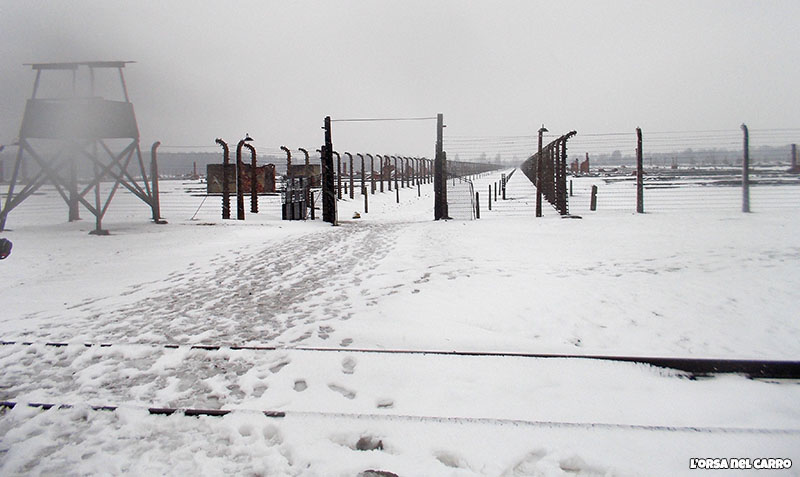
688,283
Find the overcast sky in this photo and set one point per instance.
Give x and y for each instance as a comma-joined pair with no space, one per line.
275,69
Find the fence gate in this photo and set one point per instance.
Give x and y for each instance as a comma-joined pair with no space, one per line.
460,199
295,199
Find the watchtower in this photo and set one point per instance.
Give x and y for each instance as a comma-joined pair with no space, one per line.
74,135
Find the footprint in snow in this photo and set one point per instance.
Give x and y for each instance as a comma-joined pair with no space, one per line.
279,366
385,403
348,365
343,391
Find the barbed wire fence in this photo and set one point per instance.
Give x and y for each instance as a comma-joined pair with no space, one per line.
685,170
682,170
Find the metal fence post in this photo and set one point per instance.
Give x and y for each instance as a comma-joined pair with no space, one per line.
338,176
350,156
386,172
593,204
746,171
639,173
226,198
539,173
380,165
363,173
239,179
371,172
253,180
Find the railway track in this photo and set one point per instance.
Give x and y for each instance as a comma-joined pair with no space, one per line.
190,412
696,367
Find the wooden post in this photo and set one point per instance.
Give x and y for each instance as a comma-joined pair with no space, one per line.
490,197
396,189
593,204
74,209
570,187
98,230
328,192
477,205
440,172
156,205
639,173
366,198
746,171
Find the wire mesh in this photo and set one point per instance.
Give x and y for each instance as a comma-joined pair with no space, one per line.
460,199
687,170
697,192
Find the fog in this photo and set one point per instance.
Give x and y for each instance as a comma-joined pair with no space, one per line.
275,69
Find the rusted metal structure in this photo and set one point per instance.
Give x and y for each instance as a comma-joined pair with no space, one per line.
381,169
226,190
350,157
371,172
240,177
547,169
363,174
338,175
253,179
77,140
